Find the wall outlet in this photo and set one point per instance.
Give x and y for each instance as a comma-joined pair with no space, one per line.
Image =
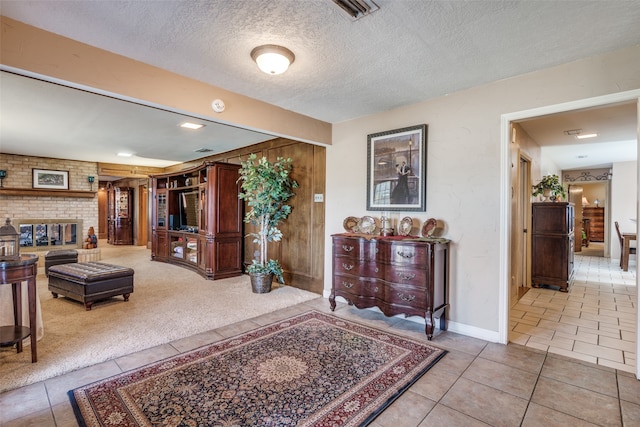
318,197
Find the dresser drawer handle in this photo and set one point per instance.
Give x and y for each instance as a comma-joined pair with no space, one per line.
347,267
406,276
406,255
410,298
347,285
347,248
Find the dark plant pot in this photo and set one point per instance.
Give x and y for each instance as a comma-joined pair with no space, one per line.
261,282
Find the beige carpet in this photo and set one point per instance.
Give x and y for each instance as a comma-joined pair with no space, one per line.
168,303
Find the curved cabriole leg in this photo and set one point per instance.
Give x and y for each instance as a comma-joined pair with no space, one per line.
332,302
429,324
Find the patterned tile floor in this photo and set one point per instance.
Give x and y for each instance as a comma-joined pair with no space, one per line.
477,383
594,322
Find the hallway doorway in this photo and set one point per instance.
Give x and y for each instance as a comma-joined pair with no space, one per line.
508,225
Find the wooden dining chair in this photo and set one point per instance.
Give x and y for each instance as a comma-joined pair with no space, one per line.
631,249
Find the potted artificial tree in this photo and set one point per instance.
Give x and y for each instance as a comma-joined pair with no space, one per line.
549,187
266,187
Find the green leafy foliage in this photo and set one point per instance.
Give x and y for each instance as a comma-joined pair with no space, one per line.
266,187
549,182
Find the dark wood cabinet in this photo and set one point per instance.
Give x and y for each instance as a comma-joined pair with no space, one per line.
552,241
120,215
399,275
197,219
595,215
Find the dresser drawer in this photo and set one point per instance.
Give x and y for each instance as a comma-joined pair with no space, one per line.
357,286
402,253
354,248
408,296
406,276
355,267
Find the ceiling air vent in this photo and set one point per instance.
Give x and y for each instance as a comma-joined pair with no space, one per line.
203,150
356,9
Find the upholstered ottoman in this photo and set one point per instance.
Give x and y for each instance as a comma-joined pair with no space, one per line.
88,282
63,256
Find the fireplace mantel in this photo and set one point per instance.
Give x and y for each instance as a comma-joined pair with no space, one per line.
38,192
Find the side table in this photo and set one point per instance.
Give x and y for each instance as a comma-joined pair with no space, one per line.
14,273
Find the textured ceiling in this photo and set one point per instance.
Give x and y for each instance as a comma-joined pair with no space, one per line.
405,52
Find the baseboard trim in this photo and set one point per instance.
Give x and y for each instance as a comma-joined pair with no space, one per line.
458,328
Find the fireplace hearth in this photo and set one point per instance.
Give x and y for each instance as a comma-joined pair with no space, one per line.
48,234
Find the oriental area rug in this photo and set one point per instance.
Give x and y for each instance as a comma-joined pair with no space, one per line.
311,369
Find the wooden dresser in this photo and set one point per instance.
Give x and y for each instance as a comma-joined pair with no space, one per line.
596,221
399,275
552,244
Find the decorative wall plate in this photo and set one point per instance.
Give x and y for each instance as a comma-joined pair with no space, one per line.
405,226
350,224
367,224
429,227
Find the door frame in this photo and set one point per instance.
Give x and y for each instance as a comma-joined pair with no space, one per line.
506,184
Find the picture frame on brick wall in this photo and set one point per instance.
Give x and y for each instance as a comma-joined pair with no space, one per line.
50,179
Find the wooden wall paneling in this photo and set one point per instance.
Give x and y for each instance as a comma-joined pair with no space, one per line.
302,251
102,211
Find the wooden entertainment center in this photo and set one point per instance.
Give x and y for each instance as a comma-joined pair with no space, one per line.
197,219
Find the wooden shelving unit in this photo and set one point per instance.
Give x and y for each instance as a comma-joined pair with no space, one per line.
197,219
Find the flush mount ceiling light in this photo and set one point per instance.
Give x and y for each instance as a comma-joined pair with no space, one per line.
272,59
189,125
123,154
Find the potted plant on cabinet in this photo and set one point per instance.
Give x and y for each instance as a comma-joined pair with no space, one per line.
266,187
549,187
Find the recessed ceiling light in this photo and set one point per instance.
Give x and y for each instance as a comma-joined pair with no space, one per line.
573,132
190,125
582,156
123,154
586,135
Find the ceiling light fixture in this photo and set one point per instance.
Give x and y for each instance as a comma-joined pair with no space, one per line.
123,154
189,125
272,59
587,135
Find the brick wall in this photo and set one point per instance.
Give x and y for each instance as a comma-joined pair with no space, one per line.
19,175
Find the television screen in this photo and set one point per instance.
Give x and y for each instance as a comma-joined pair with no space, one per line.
189,211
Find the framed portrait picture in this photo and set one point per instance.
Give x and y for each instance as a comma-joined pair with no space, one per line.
397,169
51,179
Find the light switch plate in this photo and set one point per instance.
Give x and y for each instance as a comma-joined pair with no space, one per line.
318,197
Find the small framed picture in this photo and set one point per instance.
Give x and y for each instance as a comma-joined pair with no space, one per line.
397,169
50,179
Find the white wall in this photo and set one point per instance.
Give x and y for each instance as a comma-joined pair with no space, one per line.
463,169
623,201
